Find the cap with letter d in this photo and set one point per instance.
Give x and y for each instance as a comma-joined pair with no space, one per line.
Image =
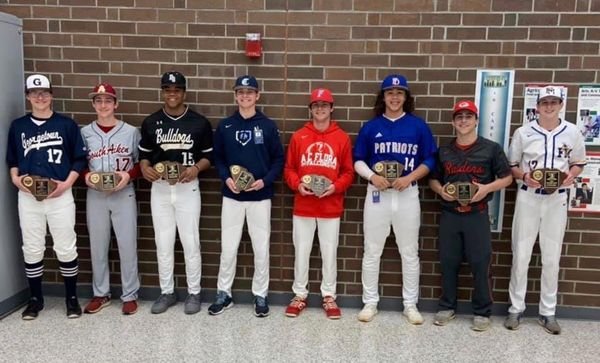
551,91
394,81
246,82
173,78
37,81
103,89
321,94
465,105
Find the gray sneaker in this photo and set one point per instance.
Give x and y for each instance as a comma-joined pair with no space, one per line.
443,317
481,323
163,302
550,324
513,320
192,304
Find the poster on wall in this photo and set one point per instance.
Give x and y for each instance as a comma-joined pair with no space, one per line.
588,113
585,194
493,96
530,95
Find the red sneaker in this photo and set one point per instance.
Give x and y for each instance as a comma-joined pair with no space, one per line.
295,307
96,304
129,307
331,308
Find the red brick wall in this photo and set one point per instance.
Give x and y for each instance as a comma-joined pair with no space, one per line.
346,45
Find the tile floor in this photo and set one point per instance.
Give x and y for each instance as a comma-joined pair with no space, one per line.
237,335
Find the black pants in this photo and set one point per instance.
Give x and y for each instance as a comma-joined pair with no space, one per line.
468,236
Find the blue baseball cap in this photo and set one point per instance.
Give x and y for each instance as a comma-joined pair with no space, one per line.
394,81
247,82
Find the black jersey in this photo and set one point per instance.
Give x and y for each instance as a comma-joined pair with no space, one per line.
483,162
186,138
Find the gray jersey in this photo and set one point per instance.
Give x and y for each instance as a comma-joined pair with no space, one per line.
116,150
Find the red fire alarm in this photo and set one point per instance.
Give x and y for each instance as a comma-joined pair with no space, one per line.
253,45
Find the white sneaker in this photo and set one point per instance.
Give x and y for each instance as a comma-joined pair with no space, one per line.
413,315
367,313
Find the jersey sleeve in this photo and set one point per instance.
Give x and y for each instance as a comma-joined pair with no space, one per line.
78,150
147,142
206,146
437,172
219,153
428,147
515,150
135,151
361,146
11,150
346,175
277,157
290,170
500,165
577,156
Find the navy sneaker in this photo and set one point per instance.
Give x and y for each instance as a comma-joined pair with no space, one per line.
261,307
222,303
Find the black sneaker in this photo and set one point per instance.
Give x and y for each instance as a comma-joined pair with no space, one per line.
73,308
33,308
222,303
261,307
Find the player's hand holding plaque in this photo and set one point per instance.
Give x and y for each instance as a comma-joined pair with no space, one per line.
104,181
549,179
39,187
242,178
169,171
391,170
318,184
462,191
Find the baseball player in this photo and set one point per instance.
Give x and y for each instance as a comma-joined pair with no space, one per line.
465,228
46,144
176,133
320,148
247,139
395,134
548,143
112,147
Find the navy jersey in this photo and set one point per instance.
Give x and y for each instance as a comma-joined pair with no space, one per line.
185,139
52,149
407,140
483,162
253,143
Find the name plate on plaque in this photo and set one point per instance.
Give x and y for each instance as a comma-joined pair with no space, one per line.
242,178
169,171
550,179
104,181
390,170
39,187
462,191
317,183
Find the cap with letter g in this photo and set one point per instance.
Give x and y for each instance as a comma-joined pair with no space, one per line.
246,82
394,81
551,91
465,105
37,81
173,78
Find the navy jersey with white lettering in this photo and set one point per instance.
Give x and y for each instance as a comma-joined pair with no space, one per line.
185,139
407,140
52,150
253,143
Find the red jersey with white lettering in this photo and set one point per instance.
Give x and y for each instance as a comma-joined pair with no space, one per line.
327,153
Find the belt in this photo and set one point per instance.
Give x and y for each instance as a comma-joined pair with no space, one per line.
541,190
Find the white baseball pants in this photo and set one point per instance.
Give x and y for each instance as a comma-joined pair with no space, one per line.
402,211
177,208
303,235
546,214
59,213
258,216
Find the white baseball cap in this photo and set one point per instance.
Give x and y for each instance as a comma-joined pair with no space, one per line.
551,91
37,81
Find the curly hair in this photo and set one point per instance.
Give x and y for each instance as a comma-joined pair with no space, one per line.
379,107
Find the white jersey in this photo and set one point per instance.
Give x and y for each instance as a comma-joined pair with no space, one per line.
533,147
116,150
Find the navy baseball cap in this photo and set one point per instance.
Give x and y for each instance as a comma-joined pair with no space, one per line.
394,81
173,79
247,82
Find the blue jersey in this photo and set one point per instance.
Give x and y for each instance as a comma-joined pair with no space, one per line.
407,140
52,149
253,143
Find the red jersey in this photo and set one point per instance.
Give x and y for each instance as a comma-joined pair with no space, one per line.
327,153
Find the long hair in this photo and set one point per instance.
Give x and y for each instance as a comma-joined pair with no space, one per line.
379,107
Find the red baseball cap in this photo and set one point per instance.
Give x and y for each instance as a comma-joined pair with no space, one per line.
321,94
103,89
465,105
